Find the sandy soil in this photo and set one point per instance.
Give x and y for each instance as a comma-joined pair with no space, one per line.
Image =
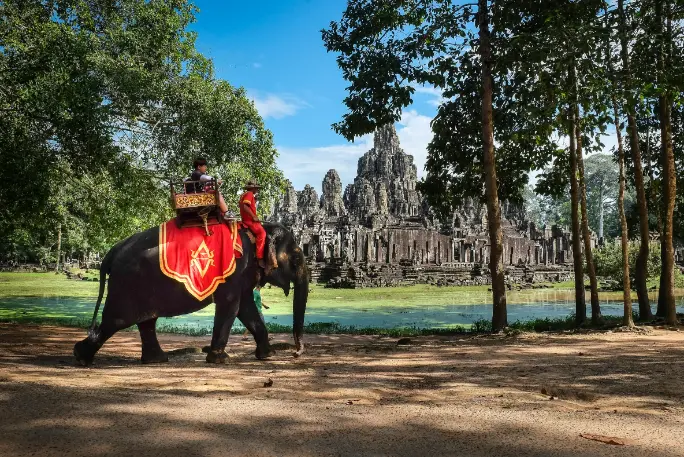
526,395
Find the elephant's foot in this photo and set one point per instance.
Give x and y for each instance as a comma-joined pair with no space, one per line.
84,352
154,356
217,356
300,347
264,351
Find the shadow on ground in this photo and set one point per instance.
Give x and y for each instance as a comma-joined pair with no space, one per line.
356,395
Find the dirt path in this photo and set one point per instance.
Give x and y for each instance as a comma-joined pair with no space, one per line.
349,395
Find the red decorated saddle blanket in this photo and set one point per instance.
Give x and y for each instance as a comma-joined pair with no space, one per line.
199,261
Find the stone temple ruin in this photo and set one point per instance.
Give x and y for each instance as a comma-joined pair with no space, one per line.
381,232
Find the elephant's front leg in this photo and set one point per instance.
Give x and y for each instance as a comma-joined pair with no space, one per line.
226,311
249,316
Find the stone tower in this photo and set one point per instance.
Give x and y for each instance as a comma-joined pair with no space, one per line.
331,200
385,181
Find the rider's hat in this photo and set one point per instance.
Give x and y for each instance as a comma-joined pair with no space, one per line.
251,184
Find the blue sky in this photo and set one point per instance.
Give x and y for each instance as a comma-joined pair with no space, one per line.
274,50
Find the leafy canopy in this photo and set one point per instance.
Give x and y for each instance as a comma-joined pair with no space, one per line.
100,104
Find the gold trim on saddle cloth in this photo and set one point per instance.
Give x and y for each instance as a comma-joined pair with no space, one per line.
194,253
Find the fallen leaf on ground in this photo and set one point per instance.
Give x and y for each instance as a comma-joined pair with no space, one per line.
604,439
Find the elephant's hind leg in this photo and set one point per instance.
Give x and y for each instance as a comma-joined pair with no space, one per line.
86,349
151,350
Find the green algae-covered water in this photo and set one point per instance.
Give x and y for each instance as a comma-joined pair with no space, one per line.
554,304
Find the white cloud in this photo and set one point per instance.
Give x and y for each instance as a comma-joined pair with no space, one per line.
436,94
276,106
414,135
309,165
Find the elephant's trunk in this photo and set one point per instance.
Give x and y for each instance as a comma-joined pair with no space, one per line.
301,294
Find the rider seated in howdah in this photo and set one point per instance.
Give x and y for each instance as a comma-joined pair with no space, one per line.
199,181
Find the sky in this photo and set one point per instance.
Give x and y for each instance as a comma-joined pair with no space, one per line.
273,49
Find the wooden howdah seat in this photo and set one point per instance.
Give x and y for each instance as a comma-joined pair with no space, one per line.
196,204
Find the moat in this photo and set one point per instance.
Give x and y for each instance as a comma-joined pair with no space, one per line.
432,312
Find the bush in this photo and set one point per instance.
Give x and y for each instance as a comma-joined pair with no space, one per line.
608,261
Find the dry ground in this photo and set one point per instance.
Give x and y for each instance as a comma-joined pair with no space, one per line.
348,395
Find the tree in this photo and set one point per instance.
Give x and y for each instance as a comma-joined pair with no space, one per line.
580,305
586,233
108,99
669,180
630,97
602,179
499,317
387,48
381,62
656,31
627,319
545,38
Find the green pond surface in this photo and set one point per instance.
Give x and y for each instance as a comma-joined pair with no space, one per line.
544,304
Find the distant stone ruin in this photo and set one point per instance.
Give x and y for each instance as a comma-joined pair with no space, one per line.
381,232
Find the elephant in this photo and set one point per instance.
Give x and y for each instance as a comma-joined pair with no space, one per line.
139,293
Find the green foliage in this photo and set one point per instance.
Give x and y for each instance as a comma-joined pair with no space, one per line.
549,202
608,260
385,50
601,175
101,104
524,142
385,47
546,324
546,210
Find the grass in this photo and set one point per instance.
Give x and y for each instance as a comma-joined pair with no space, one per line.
45,285
56,285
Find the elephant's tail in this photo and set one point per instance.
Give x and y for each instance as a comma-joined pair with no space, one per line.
105,268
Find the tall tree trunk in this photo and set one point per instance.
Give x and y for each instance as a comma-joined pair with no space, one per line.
661,309
580,303
641,272
499,315
601,204
656,204
668,173
627,319
624,238
59,246
586,234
